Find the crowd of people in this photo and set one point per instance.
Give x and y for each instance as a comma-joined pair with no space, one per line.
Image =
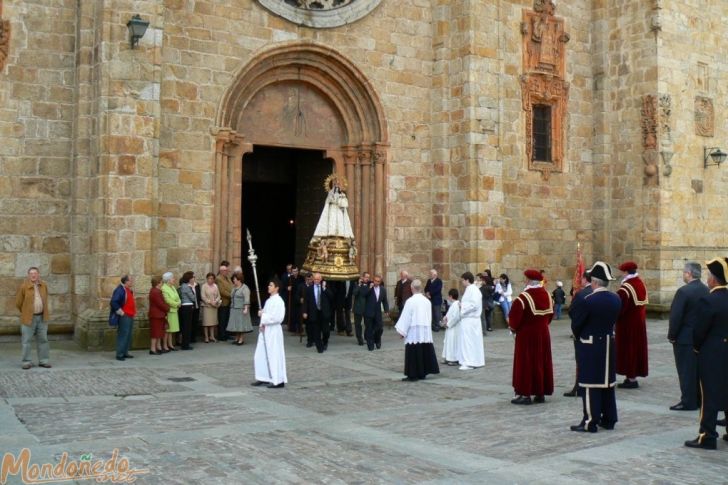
609,328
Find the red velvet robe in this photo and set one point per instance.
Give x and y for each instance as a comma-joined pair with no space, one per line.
630,332
530,316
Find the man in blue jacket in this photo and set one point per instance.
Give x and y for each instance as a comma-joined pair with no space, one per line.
376,298
593,330
433,291
121,315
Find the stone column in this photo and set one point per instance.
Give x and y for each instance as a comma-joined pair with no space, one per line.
380,157
353,193
365,160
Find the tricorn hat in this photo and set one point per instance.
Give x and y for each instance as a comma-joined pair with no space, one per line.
533,274
602,271
718,267
628,266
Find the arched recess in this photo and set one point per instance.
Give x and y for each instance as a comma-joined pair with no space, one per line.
304,95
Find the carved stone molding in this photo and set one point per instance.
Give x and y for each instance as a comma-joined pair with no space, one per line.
541,89
704,116
665,103
543,81
4,38
321,14
648,121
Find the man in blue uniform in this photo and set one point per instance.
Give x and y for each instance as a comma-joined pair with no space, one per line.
593,330
574,309
710,340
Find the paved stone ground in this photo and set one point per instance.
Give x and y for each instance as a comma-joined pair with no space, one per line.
345,417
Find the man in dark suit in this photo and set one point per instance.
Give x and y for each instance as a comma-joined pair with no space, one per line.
710,340
433,291
376,298
402,290
348,302
574,310
684,314
593,331
317,312
359,296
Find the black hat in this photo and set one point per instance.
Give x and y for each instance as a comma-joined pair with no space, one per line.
718,267
602,271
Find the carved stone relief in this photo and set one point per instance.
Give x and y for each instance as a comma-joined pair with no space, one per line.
704,116
321,14
4,38
649,122
665,102
543,82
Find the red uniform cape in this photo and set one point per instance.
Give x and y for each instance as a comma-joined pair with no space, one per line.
630,333
530,316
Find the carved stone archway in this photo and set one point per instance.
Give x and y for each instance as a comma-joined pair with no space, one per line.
304,95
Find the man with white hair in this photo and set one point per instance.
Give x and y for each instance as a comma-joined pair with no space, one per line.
403,290
414,327
433,291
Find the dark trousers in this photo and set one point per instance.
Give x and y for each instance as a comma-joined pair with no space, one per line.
436,317
318,331
686,362
195,330
709,410
600,406
373,331
123,336
357,327
185,324
223,317
340,322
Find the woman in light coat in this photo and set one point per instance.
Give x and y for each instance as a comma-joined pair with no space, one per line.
171,298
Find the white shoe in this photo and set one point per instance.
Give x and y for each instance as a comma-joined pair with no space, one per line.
465,367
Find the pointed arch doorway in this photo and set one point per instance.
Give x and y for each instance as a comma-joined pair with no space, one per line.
305,97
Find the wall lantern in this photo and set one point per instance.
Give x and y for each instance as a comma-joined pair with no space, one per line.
137,27
716,154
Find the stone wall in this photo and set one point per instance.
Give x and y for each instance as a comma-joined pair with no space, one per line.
37,96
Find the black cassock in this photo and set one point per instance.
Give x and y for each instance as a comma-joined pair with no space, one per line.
593,328
710,339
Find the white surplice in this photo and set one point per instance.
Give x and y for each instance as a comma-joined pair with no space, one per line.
415,322
334,220
472,353
273,368
451,345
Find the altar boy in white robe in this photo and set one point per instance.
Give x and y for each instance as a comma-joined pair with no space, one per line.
472,353
270,356
414,325
451,346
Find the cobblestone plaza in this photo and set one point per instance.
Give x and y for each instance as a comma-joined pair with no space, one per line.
344,417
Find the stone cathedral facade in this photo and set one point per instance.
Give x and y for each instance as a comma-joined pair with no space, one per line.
472,134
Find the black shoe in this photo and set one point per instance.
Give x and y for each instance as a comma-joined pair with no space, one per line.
360,342
409,379
721,422
539,400
127,356
490,329
607,426
320,351
627,384
571,393
581,429
521,400
153,352
379,345
173,349
702,442
121,359
258,383
681,407
309,345
275,386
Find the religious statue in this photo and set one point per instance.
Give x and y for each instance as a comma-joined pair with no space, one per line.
334,219
332,250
